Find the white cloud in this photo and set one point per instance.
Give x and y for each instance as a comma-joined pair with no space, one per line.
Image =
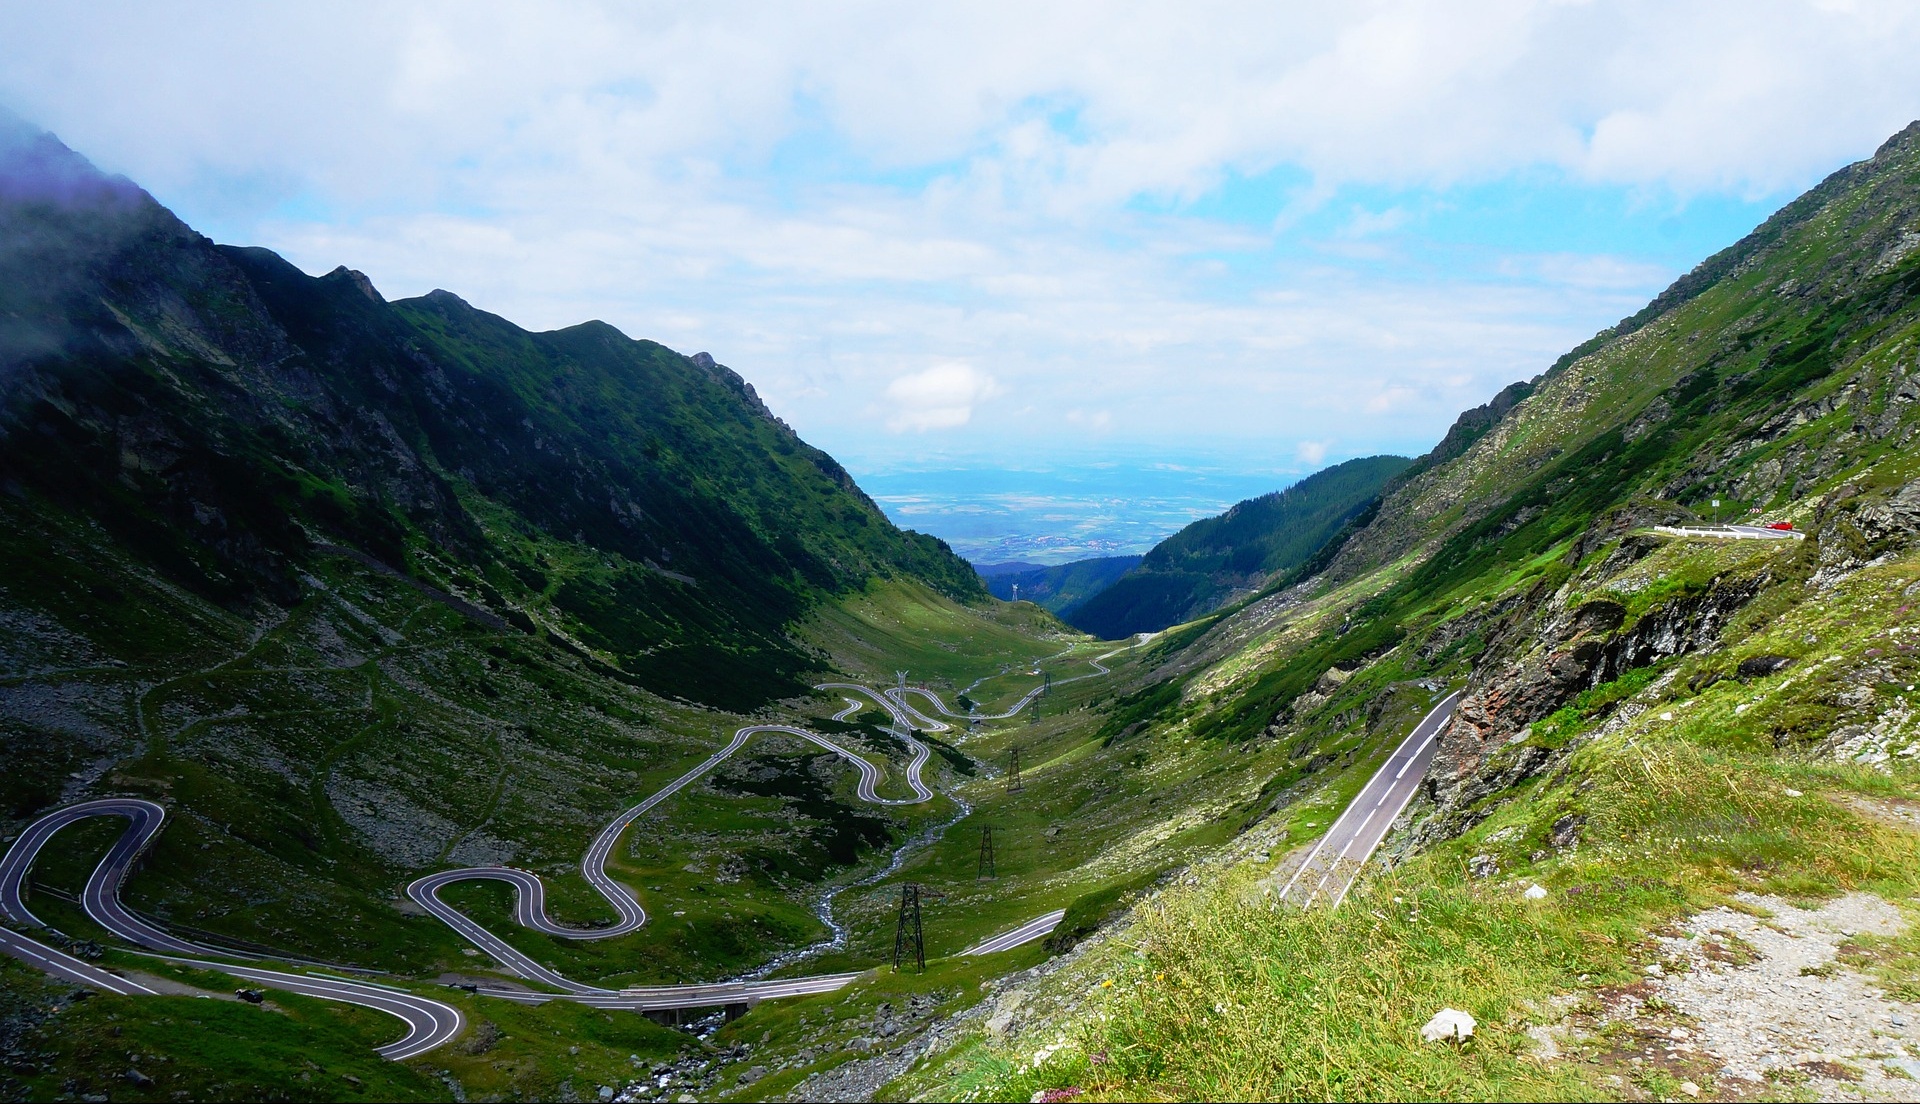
1311,453
823,194
940,397
1396,395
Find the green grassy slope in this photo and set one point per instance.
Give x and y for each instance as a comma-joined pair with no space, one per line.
1652,724
1608,686
1202,566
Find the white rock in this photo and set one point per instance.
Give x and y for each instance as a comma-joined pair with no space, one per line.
1448,1023
1535,892
1667,716
1791,792
1689,1088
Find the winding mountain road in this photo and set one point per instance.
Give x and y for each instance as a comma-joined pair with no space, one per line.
431,1023
530,892
897,699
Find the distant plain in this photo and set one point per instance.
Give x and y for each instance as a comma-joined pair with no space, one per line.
1057,514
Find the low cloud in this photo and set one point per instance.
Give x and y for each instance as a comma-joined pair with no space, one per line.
1229,227
1311,452
941,397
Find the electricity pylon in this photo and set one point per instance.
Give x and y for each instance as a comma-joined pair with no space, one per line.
909,938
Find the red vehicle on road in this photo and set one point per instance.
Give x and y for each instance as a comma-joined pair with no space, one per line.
1787,525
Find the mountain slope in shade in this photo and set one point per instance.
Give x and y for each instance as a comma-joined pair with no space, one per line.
224,417
1204,565
1060,587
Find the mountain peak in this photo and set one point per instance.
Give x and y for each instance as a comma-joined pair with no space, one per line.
36,167
358,279
1899,143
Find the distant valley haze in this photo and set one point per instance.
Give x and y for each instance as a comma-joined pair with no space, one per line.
1050,281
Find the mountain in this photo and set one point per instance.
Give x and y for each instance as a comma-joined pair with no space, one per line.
1058,588
1206,564
1660,728
225,418
358,589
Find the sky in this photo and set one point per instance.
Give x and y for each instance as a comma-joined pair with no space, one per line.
1050,279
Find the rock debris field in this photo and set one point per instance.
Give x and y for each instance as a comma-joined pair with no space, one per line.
1763,999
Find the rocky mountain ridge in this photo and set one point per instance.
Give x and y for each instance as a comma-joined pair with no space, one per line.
226,416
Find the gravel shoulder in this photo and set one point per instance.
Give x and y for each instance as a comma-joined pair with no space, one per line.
1751,1000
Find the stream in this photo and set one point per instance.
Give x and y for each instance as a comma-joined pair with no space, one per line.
823,908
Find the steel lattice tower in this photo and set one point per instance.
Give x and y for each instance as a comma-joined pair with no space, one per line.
908,936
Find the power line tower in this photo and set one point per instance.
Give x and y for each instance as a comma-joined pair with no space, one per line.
902,676
1014,785
986,853
909,938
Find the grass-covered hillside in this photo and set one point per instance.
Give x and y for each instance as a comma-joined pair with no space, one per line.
359,590
1701,751
1252,545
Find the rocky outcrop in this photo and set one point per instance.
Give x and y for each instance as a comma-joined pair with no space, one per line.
1856,529
1896,517
1570,651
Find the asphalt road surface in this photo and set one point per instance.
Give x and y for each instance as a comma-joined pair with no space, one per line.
64,966
898,696
1732,532
1331,867
530,892
1036,928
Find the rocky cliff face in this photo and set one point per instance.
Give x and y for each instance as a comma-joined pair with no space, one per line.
1548,654
1550,651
